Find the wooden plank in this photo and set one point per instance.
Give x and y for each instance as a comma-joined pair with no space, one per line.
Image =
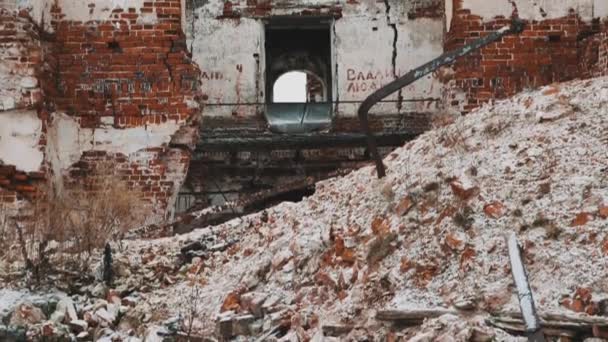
560,317
396,315
518,327
336,330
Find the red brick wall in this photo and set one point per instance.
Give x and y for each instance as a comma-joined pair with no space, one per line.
547,51
130,75
133,73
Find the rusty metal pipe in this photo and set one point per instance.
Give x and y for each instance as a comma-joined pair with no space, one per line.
517,26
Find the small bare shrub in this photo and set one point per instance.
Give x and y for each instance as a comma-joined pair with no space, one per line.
192,309
60,230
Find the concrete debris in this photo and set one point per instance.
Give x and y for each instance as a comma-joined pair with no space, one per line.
358,258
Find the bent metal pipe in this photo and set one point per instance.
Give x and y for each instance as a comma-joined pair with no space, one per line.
516,27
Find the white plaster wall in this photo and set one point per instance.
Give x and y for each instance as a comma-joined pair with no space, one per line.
600,8
20,133
419,42
362,45
224,51
17,80
79,10
40,11
364,58
531,9
66,140
449,11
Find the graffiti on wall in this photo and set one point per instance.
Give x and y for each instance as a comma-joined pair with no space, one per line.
364,81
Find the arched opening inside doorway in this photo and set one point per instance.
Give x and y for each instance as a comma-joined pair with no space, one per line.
298,87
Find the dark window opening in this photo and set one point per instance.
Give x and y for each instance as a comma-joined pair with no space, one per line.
298,74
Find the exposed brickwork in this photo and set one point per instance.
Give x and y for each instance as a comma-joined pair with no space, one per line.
546,52
126,72
146,172
17,183
262,8
20,61
123,69
426,9
601,68
21,56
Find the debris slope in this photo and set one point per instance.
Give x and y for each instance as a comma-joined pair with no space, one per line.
429,235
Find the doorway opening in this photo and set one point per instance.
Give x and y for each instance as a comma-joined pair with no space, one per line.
298,74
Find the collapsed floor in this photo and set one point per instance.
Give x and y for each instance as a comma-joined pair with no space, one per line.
428,236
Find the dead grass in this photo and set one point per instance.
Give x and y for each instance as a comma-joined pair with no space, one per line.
63,229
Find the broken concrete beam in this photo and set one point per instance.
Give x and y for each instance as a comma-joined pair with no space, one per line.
253,303
241,325
336,330
224,326
412,316
524,292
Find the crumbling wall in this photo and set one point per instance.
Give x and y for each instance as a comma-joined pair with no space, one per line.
122,85
601,68
21,130
553,47
91,83
372,43
240,52
96,84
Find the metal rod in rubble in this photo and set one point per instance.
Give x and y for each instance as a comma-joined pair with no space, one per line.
524,292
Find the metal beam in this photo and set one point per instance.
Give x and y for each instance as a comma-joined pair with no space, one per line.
273,142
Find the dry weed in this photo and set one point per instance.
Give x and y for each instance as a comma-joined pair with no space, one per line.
60,230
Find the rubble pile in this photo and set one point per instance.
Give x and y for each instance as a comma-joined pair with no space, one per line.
419,255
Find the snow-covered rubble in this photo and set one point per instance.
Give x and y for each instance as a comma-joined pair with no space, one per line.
429,235
432,233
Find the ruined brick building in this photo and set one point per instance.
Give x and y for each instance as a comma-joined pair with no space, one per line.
177,95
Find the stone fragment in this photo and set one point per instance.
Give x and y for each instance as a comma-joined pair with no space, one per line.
455,241
281,258
581,219
27,314
7,103
28,82
270,303
463,193
603,211
113,297
65,311
240,325
78,326
465,304
494,210
100,290
105,316
404,206
83,336
253,302
131,300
